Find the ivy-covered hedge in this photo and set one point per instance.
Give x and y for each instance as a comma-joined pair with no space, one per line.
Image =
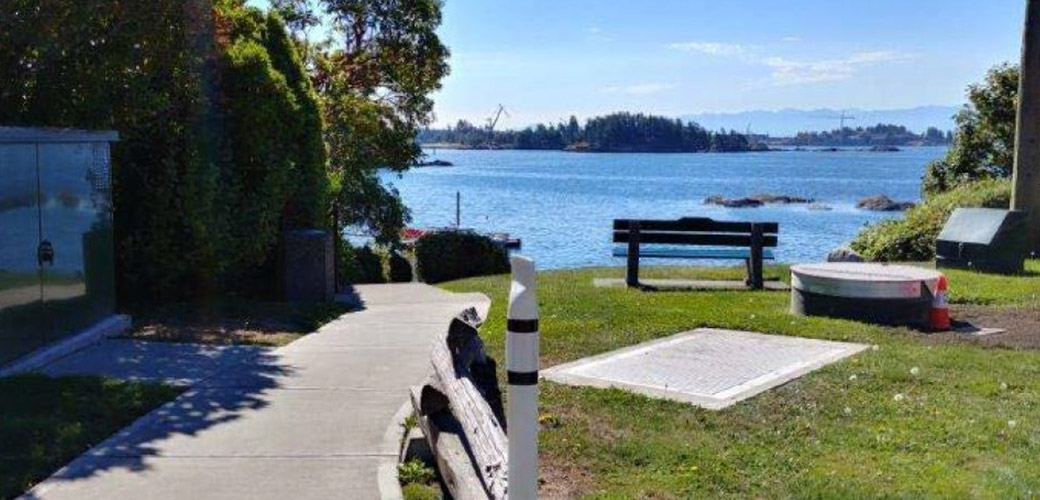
452,255
220,131
913,237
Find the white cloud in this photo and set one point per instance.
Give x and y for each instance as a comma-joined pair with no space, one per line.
596,34
791,39
792,72
711,48
786,71
640,88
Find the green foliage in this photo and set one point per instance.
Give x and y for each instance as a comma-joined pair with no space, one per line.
450,255
220,130
370,265
984,143
912,238
416,491
374,77
45,422
415,471
400,268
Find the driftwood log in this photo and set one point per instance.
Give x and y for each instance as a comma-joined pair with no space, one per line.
464,392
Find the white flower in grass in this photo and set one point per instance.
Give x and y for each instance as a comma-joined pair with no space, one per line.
848,411
915,371
1003,386
852,377
875,347
1012,423
898,397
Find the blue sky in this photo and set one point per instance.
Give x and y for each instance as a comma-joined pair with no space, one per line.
545,60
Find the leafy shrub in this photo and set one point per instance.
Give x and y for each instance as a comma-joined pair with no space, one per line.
913,237
416,491
220,131
370,265
347,265
415,471
451,255
400,268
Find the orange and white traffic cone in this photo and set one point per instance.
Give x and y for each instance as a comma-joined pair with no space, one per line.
939,317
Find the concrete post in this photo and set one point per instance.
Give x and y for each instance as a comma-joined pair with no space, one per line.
522,372
1025,193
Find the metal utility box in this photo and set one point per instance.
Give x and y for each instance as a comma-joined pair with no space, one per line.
983,239
57,260
309,263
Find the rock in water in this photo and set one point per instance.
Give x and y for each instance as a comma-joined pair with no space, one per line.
882,203
844,254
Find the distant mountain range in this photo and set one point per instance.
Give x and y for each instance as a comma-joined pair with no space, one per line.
787,122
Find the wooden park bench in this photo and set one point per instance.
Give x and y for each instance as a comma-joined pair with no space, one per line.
730,240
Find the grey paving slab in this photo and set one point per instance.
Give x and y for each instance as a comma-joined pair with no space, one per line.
706,367
295,423
319,418
385,368
182,364
215,478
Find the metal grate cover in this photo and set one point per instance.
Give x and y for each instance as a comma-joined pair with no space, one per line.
706,367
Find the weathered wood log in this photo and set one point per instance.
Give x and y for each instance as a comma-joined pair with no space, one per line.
447,443
483,430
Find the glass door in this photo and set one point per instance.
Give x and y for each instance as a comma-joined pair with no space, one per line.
76,254
22,322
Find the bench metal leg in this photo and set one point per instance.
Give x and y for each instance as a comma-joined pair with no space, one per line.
632,273
755,280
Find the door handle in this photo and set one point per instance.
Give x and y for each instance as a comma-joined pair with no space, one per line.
45,253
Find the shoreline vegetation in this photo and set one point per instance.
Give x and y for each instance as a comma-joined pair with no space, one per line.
644,133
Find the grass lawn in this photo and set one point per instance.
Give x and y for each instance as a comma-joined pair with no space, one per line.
910,419
46,422
233,321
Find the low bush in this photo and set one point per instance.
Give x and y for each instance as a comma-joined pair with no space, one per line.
451,255
912,238
400,268
359,264
370,266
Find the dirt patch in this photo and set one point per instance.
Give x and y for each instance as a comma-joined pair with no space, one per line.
233,322
561,479
1022,325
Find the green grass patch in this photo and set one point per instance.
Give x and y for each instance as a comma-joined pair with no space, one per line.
46,422
963,424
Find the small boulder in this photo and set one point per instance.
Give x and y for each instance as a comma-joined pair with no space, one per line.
844,254
882,203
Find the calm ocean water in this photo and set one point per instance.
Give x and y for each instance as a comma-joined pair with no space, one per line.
562,204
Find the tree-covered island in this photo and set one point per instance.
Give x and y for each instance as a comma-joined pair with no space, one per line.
613,133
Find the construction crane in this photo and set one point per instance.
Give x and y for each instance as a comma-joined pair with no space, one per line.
842,118
492,121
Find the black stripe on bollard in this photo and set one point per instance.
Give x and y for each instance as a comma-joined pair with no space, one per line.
522,325
522,378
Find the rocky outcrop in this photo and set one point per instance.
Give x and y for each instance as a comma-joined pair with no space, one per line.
884,149
882,203
755,201
435,163
844,254
732,203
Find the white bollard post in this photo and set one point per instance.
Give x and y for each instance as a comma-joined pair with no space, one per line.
522,372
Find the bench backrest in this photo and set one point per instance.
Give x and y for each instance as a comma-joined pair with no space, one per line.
696,231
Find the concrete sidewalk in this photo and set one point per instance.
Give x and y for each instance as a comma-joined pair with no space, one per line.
319,418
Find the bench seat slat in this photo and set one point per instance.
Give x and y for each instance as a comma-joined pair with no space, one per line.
697,224
695,253
709,239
